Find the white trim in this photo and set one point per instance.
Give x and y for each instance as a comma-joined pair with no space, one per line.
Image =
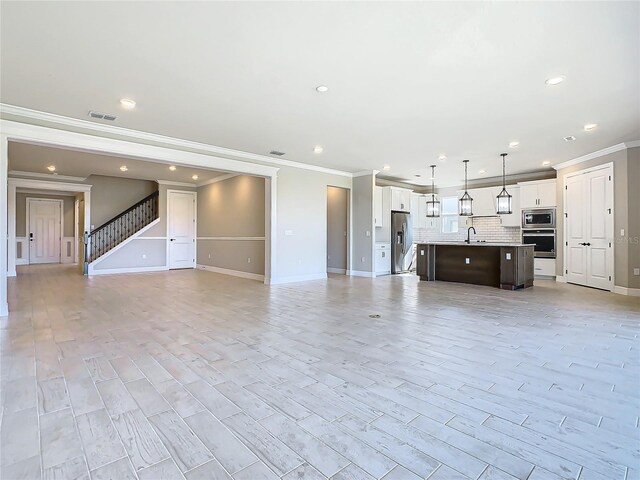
231,238
27,224
339,271
49,185
359,273
560,279
217,179
135,236
175,184
632,292
195,226
297,278
596,154
34,191
536,182
364,173
233,273
152,238
112,271
46,176
170,142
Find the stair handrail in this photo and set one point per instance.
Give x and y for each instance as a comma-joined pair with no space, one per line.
122,214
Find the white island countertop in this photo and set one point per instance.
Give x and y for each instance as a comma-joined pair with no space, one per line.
478,244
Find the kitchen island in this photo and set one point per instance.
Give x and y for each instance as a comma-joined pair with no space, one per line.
502,265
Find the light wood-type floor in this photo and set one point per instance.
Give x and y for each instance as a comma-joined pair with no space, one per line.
190,374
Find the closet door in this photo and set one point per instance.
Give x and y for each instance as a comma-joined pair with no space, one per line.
589,228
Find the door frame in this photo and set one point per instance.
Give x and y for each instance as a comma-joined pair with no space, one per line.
27,225
195,225
326,229
602,166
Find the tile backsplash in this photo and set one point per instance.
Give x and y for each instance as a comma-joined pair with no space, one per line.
488,229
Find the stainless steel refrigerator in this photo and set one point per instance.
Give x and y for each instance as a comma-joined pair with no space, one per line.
401,242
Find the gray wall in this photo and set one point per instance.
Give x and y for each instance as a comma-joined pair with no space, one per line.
112,195
136,254
232,208
67,212
337,227
625,191
362,260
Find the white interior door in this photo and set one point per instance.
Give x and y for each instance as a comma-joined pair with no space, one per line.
181,228
589,228
44,230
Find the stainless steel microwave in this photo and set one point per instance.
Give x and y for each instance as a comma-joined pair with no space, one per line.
539,218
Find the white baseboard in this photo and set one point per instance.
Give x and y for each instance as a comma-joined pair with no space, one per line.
339,271
560,279
632,292
297,278
110,271
234,273
358,273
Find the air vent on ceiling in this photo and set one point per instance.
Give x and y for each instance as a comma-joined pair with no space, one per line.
276,152
570,138
102,116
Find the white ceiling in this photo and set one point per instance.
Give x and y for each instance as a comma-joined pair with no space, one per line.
408,81
36,158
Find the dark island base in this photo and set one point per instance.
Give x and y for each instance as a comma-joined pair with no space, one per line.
506,267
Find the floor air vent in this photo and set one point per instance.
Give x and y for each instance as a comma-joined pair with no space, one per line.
102,116
276,152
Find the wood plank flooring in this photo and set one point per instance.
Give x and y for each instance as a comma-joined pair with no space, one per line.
193,375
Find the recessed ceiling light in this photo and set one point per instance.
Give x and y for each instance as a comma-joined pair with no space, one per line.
442,157
514,144
570,138
195,177
172,168
318,149
123,168
590,126
482,172
555,80
51,168
322,89
546,163
387,167
127,103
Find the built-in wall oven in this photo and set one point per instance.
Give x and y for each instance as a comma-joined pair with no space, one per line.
539,218
543,239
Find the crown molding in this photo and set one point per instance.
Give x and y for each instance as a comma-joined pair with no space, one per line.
46,176
175,184
597,153
49,185
172,142
364,173
220,178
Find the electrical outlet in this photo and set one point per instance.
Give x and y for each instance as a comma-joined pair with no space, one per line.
636,271
622,232
362,259
368,233
467,261
508,256
144,255
209,255
248,259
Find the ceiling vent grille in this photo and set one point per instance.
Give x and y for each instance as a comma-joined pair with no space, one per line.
276,152
570,138
102,116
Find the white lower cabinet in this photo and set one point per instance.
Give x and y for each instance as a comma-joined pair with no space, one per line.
383,258
545,267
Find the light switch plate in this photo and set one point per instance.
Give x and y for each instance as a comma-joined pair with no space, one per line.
636,271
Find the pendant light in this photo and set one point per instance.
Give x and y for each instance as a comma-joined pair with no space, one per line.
504,199
466,202
433,205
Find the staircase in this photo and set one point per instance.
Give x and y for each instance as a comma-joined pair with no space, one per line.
112,233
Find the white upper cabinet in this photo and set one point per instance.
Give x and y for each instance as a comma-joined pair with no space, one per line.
378,208
400,199
538,194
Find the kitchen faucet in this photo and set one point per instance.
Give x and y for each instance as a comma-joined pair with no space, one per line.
468,240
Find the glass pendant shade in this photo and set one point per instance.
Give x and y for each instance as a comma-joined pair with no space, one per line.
504,203
466,202
433,205
504,199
